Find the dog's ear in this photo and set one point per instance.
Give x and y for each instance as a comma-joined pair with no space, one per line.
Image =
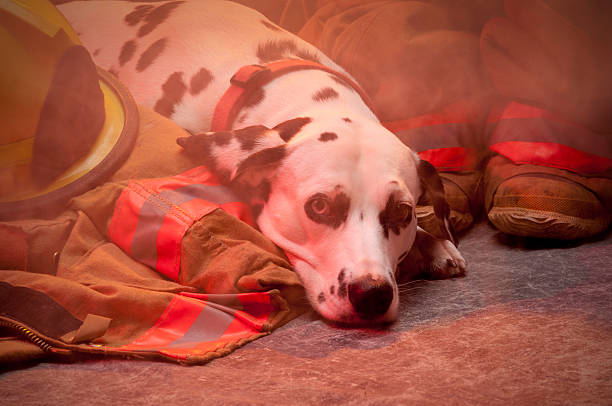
432,186
244,157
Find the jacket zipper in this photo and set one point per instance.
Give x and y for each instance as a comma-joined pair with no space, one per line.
32,337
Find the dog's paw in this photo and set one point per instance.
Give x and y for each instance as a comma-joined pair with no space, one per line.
436,258
443,260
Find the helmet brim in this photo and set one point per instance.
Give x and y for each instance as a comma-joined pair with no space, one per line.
111,148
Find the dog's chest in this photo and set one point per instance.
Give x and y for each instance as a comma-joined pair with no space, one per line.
178,57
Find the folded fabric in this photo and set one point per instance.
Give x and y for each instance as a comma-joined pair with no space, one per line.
411,57
555,57
174,274
529,135
167,267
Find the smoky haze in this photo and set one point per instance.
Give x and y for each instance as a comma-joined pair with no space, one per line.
418,57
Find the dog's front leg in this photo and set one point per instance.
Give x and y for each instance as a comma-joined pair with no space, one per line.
433,257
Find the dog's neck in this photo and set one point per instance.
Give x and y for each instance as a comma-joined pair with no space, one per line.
307,93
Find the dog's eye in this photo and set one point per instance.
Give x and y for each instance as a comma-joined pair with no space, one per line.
395,216
323,209
319,205
399,213
402,212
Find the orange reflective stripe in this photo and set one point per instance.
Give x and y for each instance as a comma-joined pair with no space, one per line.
151,216
527,134
437,137
553,155
195,324
124,222
451,159
171,325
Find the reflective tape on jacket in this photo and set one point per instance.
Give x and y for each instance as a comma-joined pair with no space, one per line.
151,216
529,135
443,139
197,324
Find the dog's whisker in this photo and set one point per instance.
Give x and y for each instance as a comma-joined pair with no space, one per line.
410,289
410,286
413,282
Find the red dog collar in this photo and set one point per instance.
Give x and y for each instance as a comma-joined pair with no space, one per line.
252,77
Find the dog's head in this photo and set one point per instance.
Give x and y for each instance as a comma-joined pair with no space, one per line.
338,194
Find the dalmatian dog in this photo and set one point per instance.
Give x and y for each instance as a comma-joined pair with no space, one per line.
326,181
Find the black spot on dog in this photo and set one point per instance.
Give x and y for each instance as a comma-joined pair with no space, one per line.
323,209
200,81
321,297
136,16
254,98
325,94
347,120
287,129
198,147
361,216
395,216
248,136
222,138
270,26
341,81
150,54
127,52
173,91
327,136
332,289
265,157
342,287
307,55
275,50
157,16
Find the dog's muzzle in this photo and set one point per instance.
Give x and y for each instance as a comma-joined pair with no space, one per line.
370,297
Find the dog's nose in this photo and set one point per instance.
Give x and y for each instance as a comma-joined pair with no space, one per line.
370,297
